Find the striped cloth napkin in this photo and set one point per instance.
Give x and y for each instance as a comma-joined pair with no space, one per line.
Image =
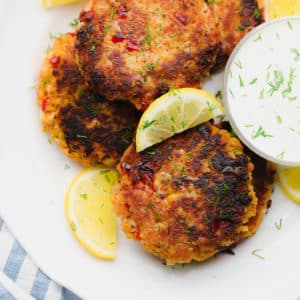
20,278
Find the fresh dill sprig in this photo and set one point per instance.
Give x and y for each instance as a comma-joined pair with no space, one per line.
276,83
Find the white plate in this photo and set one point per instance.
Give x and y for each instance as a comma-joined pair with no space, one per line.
34,182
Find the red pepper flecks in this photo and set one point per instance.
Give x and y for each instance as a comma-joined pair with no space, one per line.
44,104
87,16
181,18
122,12
54,61
118,38
132,45
72,34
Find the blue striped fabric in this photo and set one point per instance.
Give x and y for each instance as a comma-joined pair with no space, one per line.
23,276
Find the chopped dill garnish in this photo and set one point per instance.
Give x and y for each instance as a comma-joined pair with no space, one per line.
107,28
113,13
256,253
290,25
292,77
279,225
107,178
258,38
219,95
279,119
297,54
262,94
84,196
256,13
73,226
276,83
67,167
241,81
281,155
253,81
261,133
104,171
74,23
147,124
211,106
148,39
239,64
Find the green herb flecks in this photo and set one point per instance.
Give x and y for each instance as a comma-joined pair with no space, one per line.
105,171
100,220
262,94
239,64
84,196
148,124
256,253
211,107
232,94
253,81
219,95
74,23
54,36
151,153
148,38
113,13
107,28
286,93
296,52
241,81
258,38
81,136
276,83
242,28
290,25
279,224
67,167
73,226
281,155
261,133
248,125
278,119
256,14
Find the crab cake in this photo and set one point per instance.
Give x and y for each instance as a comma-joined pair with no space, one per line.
189,197
137,50
86,127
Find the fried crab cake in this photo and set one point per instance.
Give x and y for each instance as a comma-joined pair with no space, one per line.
87,128
137,50
189,197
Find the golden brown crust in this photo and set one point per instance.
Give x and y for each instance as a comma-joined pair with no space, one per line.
87,128
189,197
137,50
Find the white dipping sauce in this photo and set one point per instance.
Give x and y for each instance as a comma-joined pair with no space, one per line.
262,90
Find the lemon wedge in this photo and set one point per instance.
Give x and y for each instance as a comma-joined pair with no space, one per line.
175,112
89,211
282,8
53,3
289,180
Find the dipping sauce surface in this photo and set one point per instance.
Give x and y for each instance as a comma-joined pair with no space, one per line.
262,91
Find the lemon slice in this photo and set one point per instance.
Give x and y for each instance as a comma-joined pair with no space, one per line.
289,180
282,8
175,112
53,3
89,211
